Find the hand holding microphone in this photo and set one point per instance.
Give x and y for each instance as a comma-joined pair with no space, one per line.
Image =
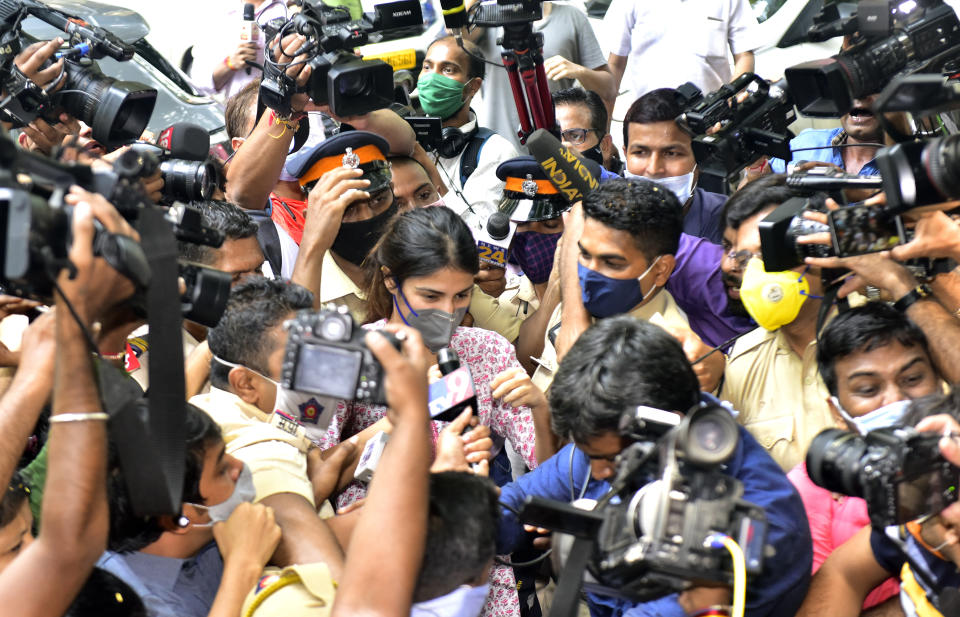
249,40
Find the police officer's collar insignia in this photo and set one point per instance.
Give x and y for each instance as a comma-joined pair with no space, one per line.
529,186
350,159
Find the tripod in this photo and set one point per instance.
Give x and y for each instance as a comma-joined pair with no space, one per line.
523,59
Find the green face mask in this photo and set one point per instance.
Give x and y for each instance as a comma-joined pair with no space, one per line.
440,95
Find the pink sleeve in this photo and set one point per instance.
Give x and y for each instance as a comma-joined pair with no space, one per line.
819,504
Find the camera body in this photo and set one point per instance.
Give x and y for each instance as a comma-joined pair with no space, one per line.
898,471
780,229
326,355
347,83
658,536
919,38
753,126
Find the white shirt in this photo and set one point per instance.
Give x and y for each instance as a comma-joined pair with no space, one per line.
670,42
483,188
222,39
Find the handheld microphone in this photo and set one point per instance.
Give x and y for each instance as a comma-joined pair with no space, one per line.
249,31
454,392
454,14
494,238
185,141
564,167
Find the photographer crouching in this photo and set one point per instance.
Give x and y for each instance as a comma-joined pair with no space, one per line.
615,366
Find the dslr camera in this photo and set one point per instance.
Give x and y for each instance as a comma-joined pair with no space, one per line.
659,534
891,40
344,81
326,355
898,471
188,171
117,111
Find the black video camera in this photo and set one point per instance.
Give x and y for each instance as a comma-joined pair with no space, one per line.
899,39
348,84
898,471
117,111
326,355
750,127
661,537
920,173
184,179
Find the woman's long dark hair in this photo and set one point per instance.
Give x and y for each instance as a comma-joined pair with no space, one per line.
417,243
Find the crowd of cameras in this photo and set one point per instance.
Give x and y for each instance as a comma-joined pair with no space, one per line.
669,498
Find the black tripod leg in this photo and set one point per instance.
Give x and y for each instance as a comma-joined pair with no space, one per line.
567,599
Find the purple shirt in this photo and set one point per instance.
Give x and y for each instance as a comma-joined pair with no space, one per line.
697,286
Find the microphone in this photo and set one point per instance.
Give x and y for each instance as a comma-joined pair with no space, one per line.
185,141
494,238
454,14
249,31
454,392
565,168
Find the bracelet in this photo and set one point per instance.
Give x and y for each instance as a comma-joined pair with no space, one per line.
230,64
78,417
113,357
911,297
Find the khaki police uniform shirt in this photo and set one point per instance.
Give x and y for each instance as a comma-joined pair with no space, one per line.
662,304
337,287
302,590
137,359
505,313
780,396
273,446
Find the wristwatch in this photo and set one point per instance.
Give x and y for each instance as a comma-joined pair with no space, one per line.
917,293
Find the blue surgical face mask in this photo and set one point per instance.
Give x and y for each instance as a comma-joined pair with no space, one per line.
604,296
883,417
436,327
464,601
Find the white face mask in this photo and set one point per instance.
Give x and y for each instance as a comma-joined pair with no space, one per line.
883,417
243,492
302,407
681,186
464,601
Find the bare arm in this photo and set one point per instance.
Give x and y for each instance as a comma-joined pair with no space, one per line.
742,63
598,79
618,65
420,155
306,538
386,547
387,124
44,579
530,340
574,318
255,168
844,580
246,540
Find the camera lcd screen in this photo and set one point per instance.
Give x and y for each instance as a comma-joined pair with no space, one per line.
328,370
859,229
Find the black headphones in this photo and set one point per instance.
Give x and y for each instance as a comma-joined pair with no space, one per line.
453,140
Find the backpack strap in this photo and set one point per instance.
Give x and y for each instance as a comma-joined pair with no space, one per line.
471,154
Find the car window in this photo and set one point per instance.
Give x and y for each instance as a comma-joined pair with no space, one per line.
151,55
764,9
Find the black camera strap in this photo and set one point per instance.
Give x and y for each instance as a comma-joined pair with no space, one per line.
566,601
158,436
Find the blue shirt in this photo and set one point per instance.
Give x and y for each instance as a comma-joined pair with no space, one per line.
703,218
170,587
822,139
778,590
697,285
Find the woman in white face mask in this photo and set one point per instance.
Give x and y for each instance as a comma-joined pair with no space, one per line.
874,361
421,274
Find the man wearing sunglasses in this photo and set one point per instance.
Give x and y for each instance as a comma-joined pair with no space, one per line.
656,148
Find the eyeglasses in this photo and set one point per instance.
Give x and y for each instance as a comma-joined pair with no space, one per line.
740,258
576,136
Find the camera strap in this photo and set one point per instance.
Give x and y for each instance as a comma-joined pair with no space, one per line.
566,600
167,393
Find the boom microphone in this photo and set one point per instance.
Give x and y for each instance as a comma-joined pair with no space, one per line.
454,14
185,141
565,168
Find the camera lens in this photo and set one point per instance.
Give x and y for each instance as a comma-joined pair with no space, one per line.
708,436
188,180
833,461
118,112
334,327
941,158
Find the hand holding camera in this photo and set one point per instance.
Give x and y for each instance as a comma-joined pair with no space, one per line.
95,286
30,61
43,136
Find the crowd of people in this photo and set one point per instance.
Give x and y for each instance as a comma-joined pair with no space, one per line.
650,292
